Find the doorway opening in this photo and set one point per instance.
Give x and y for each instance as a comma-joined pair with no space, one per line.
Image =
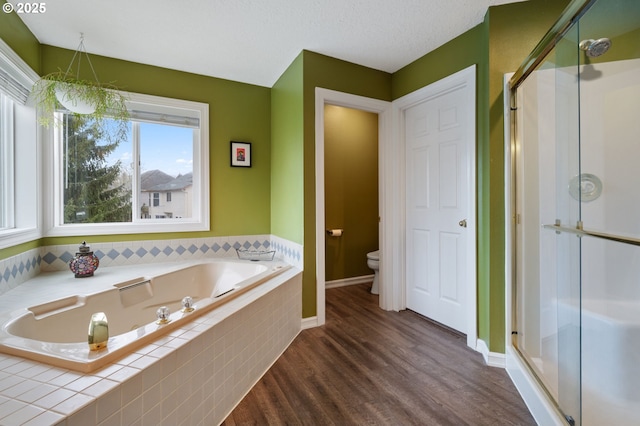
351,194
382,109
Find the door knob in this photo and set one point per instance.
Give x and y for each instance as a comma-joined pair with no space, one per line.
463,223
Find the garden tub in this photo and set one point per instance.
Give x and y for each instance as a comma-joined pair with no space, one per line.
56,331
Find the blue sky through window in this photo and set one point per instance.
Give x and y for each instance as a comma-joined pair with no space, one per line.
162,147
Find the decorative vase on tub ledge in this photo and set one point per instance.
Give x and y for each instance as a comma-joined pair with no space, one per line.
85,262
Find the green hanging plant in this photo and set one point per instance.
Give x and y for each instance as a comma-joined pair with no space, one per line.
59,90
92,99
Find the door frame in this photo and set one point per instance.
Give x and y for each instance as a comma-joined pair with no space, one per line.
383,109
392,187
465,79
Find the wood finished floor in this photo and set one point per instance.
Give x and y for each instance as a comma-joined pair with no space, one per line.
366,366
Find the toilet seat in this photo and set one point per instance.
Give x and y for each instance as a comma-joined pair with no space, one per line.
373,262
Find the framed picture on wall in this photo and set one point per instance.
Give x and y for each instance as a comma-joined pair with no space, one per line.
240,154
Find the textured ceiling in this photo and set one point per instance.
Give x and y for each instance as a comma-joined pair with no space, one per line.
254,41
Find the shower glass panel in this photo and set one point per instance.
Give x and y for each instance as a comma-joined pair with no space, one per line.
577,204
610,155
548,293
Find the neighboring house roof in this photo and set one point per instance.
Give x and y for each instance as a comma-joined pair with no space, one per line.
176,184
153,178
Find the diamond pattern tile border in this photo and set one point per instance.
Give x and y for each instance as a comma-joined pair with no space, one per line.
18,269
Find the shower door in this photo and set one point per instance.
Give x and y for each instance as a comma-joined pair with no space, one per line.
610,155
547,329
577,204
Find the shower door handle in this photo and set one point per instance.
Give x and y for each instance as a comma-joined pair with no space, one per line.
463,223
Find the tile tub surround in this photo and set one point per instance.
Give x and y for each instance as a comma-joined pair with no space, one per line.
20,268
53,329
196,374
17,269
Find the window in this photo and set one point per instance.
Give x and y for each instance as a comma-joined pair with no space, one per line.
6,162
19,153
108,180
168,197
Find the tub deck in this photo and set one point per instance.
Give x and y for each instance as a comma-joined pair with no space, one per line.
46,319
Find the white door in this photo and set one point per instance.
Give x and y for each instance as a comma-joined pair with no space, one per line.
437,150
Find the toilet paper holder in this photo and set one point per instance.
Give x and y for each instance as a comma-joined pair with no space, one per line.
335,232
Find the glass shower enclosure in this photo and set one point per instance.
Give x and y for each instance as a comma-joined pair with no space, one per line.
575,204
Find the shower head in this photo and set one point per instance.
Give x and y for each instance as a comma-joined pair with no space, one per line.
595,48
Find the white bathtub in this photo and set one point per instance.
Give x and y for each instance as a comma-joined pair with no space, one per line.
609,368
611,348
55,331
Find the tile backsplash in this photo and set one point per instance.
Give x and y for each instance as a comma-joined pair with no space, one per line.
24,266
17,269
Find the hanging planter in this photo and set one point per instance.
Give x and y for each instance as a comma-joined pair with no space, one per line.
82,97
68,99
79,97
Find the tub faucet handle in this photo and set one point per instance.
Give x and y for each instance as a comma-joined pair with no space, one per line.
164,315
98,331
187,304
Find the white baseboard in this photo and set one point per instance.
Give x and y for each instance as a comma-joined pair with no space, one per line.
349,281
541,407
310,322
492,359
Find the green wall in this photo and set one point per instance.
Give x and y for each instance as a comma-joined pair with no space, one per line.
240,197
329,73
287,148
617,20
465,50
20,39
461,52
351,190
237,111
277,195
514,31
497,46
293,138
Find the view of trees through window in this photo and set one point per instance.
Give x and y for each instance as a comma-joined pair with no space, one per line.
95,190
99,167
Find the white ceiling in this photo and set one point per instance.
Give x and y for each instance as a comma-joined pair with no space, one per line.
254,41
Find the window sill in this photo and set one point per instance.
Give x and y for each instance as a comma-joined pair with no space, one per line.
13,237
155,227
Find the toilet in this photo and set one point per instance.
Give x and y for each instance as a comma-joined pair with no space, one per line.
373,262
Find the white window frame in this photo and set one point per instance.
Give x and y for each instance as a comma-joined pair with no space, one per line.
199,221
21,166
7,159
